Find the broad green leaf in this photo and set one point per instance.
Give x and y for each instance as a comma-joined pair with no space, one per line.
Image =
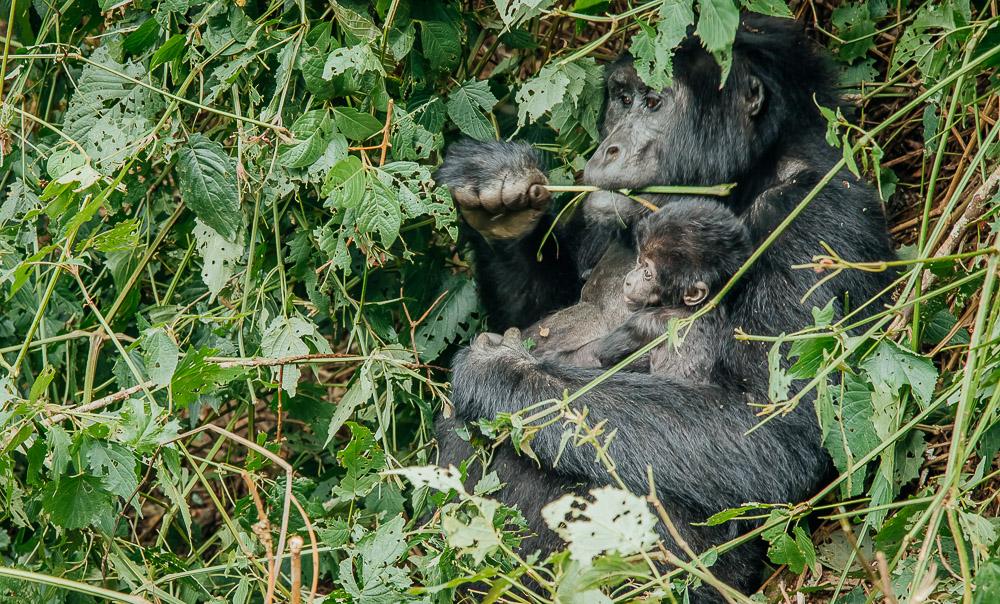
775,8
208,185
195,376
653,49
442,44
355,125
313,131
160,354
717,23
359,393
541,94
611,520
987,581
380,213
452,318
142,38
848,434
170,50
895,366
77,501
115,465
515,12
289,337
345,184
358,58
219,257
468,106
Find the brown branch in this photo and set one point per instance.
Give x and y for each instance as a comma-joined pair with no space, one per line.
971,213
100,403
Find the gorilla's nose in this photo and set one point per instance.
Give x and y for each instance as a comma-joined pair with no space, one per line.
611,153
629,281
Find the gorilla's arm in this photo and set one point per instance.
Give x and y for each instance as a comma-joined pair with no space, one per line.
638,330
685,431
498,189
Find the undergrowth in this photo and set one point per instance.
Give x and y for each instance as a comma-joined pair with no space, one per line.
230,284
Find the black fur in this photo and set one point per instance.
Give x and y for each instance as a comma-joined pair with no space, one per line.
761,131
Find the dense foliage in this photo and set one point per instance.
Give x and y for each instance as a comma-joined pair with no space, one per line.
229,283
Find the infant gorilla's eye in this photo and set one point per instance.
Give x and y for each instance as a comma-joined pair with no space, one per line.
626,100
647,275
653,102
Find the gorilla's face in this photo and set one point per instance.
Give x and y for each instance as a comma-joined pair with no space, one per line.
637,124
692,133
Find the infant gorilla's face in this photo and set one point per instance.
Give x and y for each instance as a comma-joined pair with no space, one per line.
644,286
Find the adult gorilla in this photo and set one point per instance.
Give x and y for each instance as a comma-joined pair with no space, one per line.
762,131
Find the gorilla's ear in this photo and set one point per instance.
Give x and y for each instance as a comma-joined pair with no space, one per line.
696,293
754,96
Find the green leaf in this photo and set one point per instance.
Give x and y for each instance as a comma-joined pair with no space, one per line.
286,337
775,8
380,213
541,94
170,50
848,432
345,184
358,58
897,367
115,465
515,12
613,520
355,125
142,38
452,318
77,501
160,354
195,376
208,185
717,24
360,392
468,106
219,257
41,383
313,131
442,44
988,582
653,49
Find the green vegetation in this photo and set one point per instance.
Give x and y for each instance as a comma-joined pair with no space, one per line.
228,282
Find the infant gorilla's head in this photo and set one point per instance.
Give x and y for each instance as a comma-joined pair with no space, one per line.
687,250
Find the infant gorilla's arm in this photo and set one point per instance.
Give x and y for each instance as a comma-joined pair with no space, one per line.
640,329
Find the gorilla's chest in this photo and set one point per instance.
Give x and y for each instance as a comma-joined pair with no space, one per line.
601,307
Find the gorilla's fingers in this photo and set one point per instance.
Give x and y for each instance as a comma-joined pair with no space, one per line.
512,338
491,196
539,196
466,197
487,340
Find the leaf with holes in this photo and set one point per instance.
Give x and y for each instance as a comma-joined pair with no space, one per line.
453,318
208,185
219,257
611,520
468,106
160,354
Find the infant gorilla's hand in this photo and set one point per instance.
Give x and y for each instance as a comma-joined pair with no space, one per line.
498,186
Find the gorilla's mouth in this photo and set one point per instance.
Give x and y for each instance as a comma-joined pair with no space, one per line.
610,206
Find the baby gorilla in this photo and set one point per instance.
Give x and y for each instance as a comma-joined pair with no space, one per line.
687,251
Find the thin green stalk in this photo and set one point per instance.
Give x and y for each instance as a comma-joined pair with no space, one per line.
70,585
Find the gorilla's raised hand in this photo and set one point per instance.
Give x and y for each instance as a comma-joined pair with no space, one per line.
491,361
498,186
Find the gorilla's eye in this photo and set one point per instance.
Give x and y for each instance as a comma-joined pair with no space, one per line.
647,275
652,103
626,100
